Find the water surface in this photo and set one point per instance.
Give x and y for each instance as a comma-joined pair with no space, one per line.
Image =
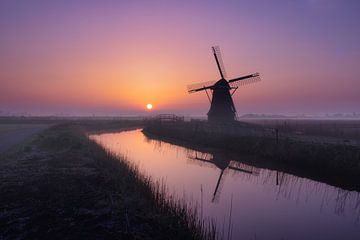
266,204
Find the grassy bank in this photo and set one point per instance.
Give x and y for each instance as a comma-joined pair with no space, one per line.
335,164
62,185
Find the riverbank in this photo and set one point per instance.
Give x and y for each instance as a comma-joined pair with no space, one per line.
62,185
335,164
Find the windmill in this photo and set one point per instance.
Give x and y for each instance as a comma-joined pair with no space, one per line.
222,108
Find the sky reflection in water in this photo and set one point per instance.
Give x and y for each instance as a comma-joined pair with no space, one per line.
266,204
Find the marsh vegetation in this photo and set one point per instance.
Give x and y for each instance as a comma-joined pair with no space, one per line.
60,184
280,147
244,200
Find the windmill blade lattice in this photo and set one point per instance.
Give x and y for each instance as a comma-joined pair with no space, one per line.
200,86
216,50
242,82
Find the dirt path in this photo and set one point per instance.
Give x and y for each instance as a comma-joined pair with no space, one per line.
13,134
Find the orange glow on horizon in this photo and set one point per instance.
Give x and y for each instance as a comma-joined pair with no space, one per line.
121,58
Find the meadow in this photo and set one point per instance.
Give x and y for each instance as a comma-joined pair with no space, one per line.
60,184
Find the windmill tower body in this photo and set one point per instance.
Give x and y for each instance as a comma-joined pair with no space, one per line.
222,108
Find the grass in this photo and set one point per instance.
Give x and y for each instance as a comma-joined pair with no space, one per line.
63,185
348,128
336,164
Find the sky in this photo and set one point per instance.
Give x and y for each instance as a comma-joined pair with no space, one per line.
114,57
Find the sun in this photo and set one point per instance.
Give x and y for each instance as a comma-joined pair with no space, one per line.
149,106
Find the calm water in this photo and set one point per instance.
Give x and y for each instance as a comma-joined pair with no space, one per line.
266,204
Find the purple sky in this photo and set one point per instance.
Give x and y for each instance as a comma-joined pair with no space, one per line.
113,57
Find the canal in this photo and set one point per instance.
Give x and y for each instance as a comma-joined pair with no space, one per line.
255,203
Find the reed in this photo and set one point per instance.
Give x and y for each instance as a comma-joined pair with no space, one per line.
336,164
142,203
178,211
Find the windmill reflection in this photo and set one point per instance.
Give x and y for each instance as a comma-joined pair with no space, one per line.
222,162
284,185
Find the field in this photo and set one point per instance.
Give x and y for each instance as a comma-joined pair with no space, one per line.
59,184
55,182
12,134
338,130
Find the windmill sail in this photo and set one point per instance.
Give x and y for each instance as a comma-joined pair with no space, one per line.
200,86
245,80
219,61
236,82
